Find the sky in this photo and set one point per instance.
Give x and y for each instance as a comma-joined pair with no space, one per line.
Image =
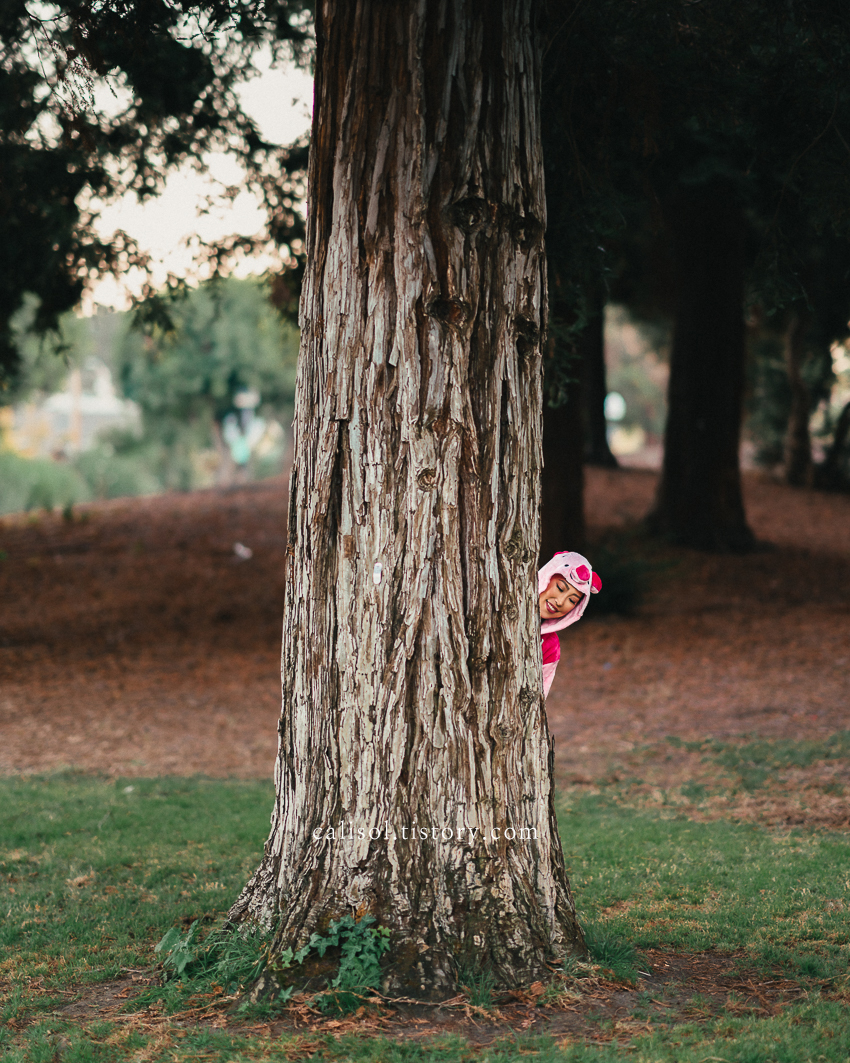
280,101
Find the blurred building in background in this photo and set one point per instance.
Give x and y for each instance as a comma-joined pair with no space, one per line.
69,422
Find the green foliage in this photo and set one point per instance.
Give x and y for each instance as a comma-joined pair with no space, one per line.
229,957
223,338
44,360
235,957
35,483
179,951
168,453
115,475
173,70
361,945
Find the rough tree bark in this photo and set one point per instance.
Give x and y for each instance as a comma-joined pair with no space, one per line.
798,442
699,501
411,648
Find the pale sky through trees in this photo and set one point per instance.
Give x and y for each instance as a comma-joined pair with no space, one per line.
280,100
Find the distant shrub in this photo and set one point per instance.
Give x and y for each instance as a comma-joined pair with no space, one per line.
116,475
37,483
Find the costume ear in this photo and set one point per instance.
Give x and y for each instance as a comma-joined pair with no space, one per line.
595,584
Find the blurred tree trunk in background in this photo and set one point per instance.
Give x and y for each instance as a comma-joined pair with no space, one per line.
562,524
699,501
411,638
566,425
591,346
798,443
831,474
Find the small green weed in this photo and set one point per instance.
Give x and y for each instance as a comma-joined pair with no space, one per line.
231,958
361,946
479,984
611,951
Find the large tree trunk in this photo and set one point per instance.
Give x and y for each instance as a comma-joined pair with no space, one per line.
699,501
595,388
798,443
411,642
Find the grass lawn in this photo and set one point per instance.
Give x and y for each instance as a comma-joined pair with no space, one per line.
95,872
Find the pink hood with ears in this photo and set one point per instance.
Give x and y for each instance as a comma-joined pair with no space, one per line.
577,571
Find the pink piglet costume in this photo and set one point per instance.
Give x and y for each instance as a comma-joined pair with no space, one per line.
577,571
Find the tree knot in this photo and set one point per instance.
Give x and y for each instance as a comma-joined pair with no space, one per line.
525,229
470,214
527,335
451,311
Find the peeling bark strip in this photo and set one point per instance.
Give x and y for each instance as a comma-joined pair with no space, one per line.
411,644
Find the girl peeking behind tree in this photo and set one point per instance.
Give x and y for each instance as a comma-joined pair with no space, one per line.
564,584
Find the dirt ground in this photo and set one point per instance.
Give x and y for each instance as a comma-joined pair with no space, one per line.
678,987
134,640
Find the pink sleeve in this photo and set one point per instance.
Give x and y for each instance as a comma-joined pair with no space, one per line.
551,648
548,676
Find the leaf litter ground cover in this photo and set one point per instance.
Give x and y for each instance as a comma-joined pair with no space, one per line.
701,756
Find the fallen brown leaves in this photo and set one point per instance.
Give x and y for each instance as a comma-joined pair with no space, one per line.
140,645
680,987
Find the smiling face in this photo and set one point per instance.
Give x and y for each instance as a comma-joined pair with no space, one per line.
558,599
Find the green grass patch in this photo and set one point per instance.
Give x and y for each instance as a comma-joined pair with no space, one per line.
753,763
811,1031
612,952
664,882
95,873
